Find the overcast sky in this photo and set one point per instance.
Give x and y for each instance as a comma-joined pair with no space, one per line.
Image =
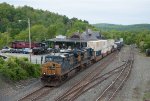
94,11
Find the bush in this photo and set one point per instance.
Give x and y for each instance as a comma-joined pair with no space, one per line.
20,74
1,61
18,69
146,96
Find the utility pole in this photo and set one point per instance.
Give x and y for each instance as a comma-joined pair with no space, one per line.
29,26
79,38
29,38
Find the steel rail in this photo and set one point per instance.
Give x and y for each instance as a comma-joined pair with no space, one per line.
36,94
87,78
120,79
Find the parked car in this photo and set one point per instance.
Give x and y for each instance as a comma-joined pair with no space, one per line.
50,50
6,50
26,51
19,50
16,50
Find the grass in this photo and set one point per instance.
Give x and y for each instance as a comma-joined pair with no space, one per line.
146,96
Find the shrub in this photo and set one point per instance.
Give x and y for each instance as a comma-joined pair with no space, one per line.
20,74
2,61
146,96
18,69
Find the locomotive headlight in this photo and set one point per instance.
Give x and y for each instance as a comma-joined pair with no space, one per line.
44,73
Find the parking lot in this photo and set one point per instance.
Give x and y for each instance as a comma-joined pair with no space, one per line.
36,59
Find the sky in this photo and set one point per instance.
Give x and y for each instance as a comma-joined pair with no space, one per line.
124,12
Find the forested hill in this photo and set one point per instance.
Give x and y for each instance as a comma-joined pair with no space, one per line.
44,24
131,34
135,27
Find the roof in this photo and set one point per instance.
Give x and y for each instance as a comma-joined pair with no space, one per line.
99,41
86,36
90,35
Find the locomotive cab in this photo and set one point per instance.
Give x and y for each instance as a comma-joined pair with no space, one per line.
52,67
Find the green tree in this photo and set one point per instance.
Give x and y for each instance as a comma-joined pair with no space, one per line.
5,39
44,24
38,33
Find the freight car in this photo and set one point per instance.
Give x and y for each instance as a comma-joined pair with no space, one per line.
23,44
100,47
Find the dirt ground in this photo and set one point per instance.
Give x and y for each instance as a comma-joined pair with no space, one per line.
12,91
139,80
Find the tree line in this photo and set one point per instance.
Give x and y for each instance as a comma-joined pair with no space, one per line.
44,24
133,28
132,34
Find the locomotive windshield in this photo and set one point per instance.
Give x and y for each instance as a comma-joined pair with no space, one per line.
57,59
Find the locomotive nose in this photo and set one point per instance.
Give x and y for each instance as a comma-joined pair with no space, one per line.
50,68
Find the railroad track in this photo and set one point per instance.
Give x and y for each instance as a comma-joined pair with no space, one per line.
43,91
71,94
111,90
77,90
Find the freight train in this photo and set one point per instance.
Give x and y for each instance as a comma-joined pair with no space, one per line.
58,67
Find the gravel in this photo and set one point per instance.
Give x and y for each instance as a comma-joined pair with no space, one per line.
93,94
11,91
139,80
